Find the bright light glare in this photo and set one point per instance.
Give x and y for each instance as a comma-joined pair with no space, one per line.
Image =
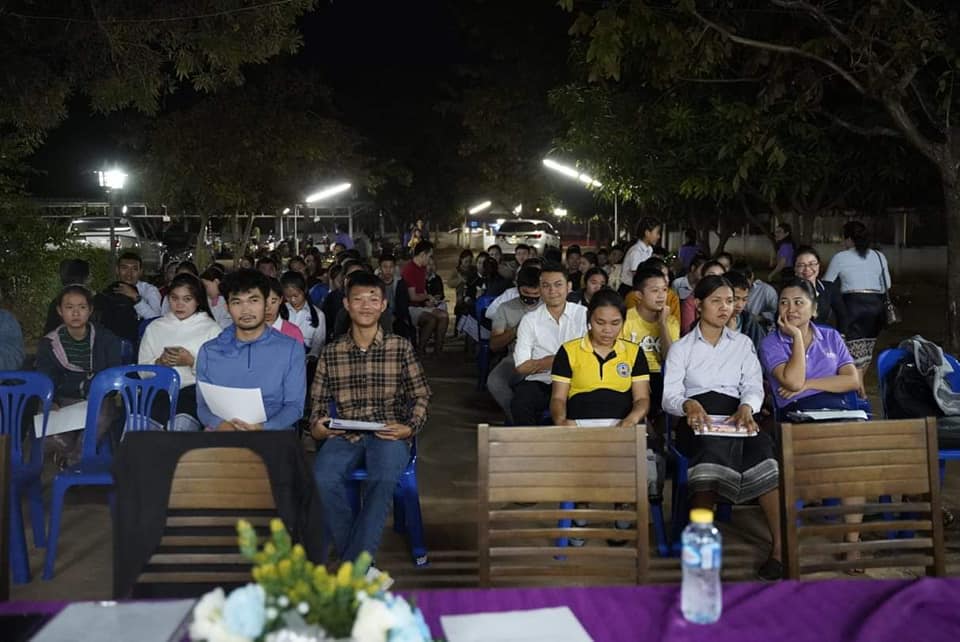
559,212
572,173
112,178
476,209
286,210
124,209
328,192
518,209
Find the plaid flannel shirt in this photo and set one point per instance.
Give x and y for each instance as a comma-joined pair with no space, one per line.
385,383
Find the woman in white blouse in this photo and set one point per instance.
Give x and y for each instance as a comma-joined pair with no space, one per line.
301,312
174,340
864,277
713,376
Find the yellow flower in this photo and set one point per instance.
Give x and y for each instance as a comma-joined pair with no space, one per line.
270,549
276,526
298,553
243,525
284,567
344,575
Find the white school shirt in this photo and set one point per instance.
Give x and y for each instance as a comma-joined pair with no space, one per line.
681,286
221,313
301,319
694,366
763,302
539,335
636,255
149,306
856,272
508,295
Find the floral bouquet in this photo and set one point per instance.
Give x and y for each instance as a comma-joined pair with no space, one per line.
296,601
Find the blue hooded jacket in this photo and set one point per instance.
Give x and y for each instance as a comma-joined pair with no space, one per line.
273,362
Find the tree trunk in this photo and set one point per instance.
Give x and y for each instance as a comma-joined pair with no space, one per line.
951,203
200,255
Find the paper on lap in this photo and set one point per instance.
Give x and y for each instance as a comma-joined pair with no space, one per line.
538,625
597,423
66,419
245,404
348,424
720,427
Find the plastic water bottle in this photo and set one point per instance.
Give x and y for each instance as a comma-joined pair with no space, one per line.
701,597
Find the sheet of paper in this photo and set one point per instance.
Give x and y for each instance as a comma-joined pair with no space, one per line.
538,625
597,423
161,621
347,424
245,404
68,418
829,415
719,427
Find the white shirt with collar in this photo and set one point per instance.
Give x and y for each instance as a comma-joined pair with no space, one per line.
695,366
637,254
301,319
508,295
149,306
539,335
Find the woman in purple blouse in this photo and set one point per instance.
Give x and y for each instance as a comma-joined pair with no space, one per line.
786,248
807,365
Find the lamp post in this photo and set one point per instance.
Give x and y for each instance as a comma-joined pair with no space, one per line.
476,209
320,195
589,181
112,180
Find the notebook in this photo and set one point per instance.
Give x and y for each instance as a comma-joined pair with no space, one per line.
160,621
827,415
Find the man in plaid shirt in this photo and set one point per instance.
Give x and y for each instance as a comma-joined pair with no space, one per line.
369,376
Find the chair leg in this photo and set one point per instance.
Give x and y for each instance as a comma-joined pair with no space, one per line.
38,518
56,512
19,559
681,505
413,519
659,529
943,470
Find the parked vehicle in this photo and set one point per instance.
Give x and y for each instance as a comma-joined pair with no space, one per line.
130,235
533,232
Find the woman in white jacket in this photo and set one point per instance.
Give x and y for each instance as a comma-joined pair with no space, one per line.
174,340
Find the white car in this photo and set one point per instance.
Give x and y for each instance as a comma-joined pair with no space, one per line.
532,232
128,236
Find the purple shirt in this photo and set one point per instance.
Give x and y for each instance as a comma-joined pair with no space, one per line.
786,251
825,356
686,254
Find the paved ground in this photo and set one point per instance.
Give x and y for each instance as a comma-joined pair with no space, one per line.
447,476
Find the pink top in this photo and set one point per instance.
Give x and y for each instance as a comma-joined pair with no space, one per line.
289,329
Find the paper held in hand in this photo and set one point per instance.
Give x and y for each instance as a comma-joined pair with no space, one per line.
347,424
66,419
245,404
720,427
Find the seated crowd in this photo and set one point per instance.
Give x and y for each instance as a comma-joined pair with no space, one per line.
590,335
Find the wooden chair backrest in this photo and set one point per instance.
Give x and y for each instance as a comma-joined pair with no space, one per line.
211,489
5,475
548,465
865,461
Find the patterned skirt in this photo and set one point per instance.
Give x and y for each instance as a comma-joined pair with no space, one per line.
865,316
737,469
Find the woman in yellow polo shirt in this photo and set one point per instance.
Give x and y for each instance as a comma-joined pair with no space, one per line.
601,376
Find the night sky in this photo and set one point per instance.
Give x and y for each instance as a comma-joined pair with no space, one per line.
388,64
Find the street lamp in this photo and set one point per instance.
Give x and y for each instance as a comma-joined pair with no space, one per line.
479,207
589,181
316,197
112,180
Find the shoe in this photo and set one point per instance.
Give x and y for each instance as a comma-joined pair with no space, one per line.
948,518
771,570
577,542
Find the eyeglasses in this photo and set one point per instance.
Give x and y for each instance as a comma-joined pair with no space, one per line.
807,266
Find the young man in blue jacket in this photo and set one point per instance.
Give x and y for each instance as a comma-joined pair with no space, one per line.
251,354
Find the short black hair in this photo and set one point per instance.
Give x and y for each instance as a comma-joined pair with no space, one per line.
364,279
593,272
245,280
212,273
74,271
590,256
653,263
388,257
737,280
713,263
641,276
292,278
743,268
605,298
422,247
76,288
189,267
573,249
130,256
646,224
521,246
552,266
263,260
552,255
528,276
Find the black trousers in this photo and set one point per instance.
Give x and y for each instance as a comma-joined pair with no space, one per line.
530,400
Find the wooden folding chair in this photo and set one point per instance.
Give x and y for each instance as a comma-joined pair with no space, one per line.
212,489
862,459
560,466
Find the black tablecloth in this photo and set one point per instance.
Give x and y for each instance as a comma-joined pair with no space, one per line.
143,470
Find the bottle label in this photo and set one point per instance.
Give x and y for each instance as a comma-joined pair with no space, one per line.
690,556
705,557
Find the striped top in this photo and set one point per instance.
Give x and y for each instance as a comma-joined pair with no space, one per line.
78,353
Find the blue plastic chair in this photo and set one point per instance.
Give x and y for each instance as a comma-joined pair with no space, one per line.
128,352
483,352
142,327
886,362
16,389
96,459
407,516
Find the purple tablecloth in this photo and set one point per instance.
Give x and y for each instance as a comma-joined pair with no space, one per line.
926,610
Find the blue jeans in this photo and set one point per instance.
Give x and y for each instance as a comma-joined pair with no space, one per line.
336,461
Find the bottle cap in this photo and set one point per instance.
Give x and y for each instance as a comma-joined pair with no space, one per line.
701,516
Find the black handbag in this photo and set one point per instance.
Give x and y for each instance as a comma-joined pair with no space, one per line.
890,311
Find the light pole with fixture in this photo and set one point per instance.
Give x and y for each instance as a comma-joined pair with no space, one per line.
113,181
589,181
476,209
320,195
